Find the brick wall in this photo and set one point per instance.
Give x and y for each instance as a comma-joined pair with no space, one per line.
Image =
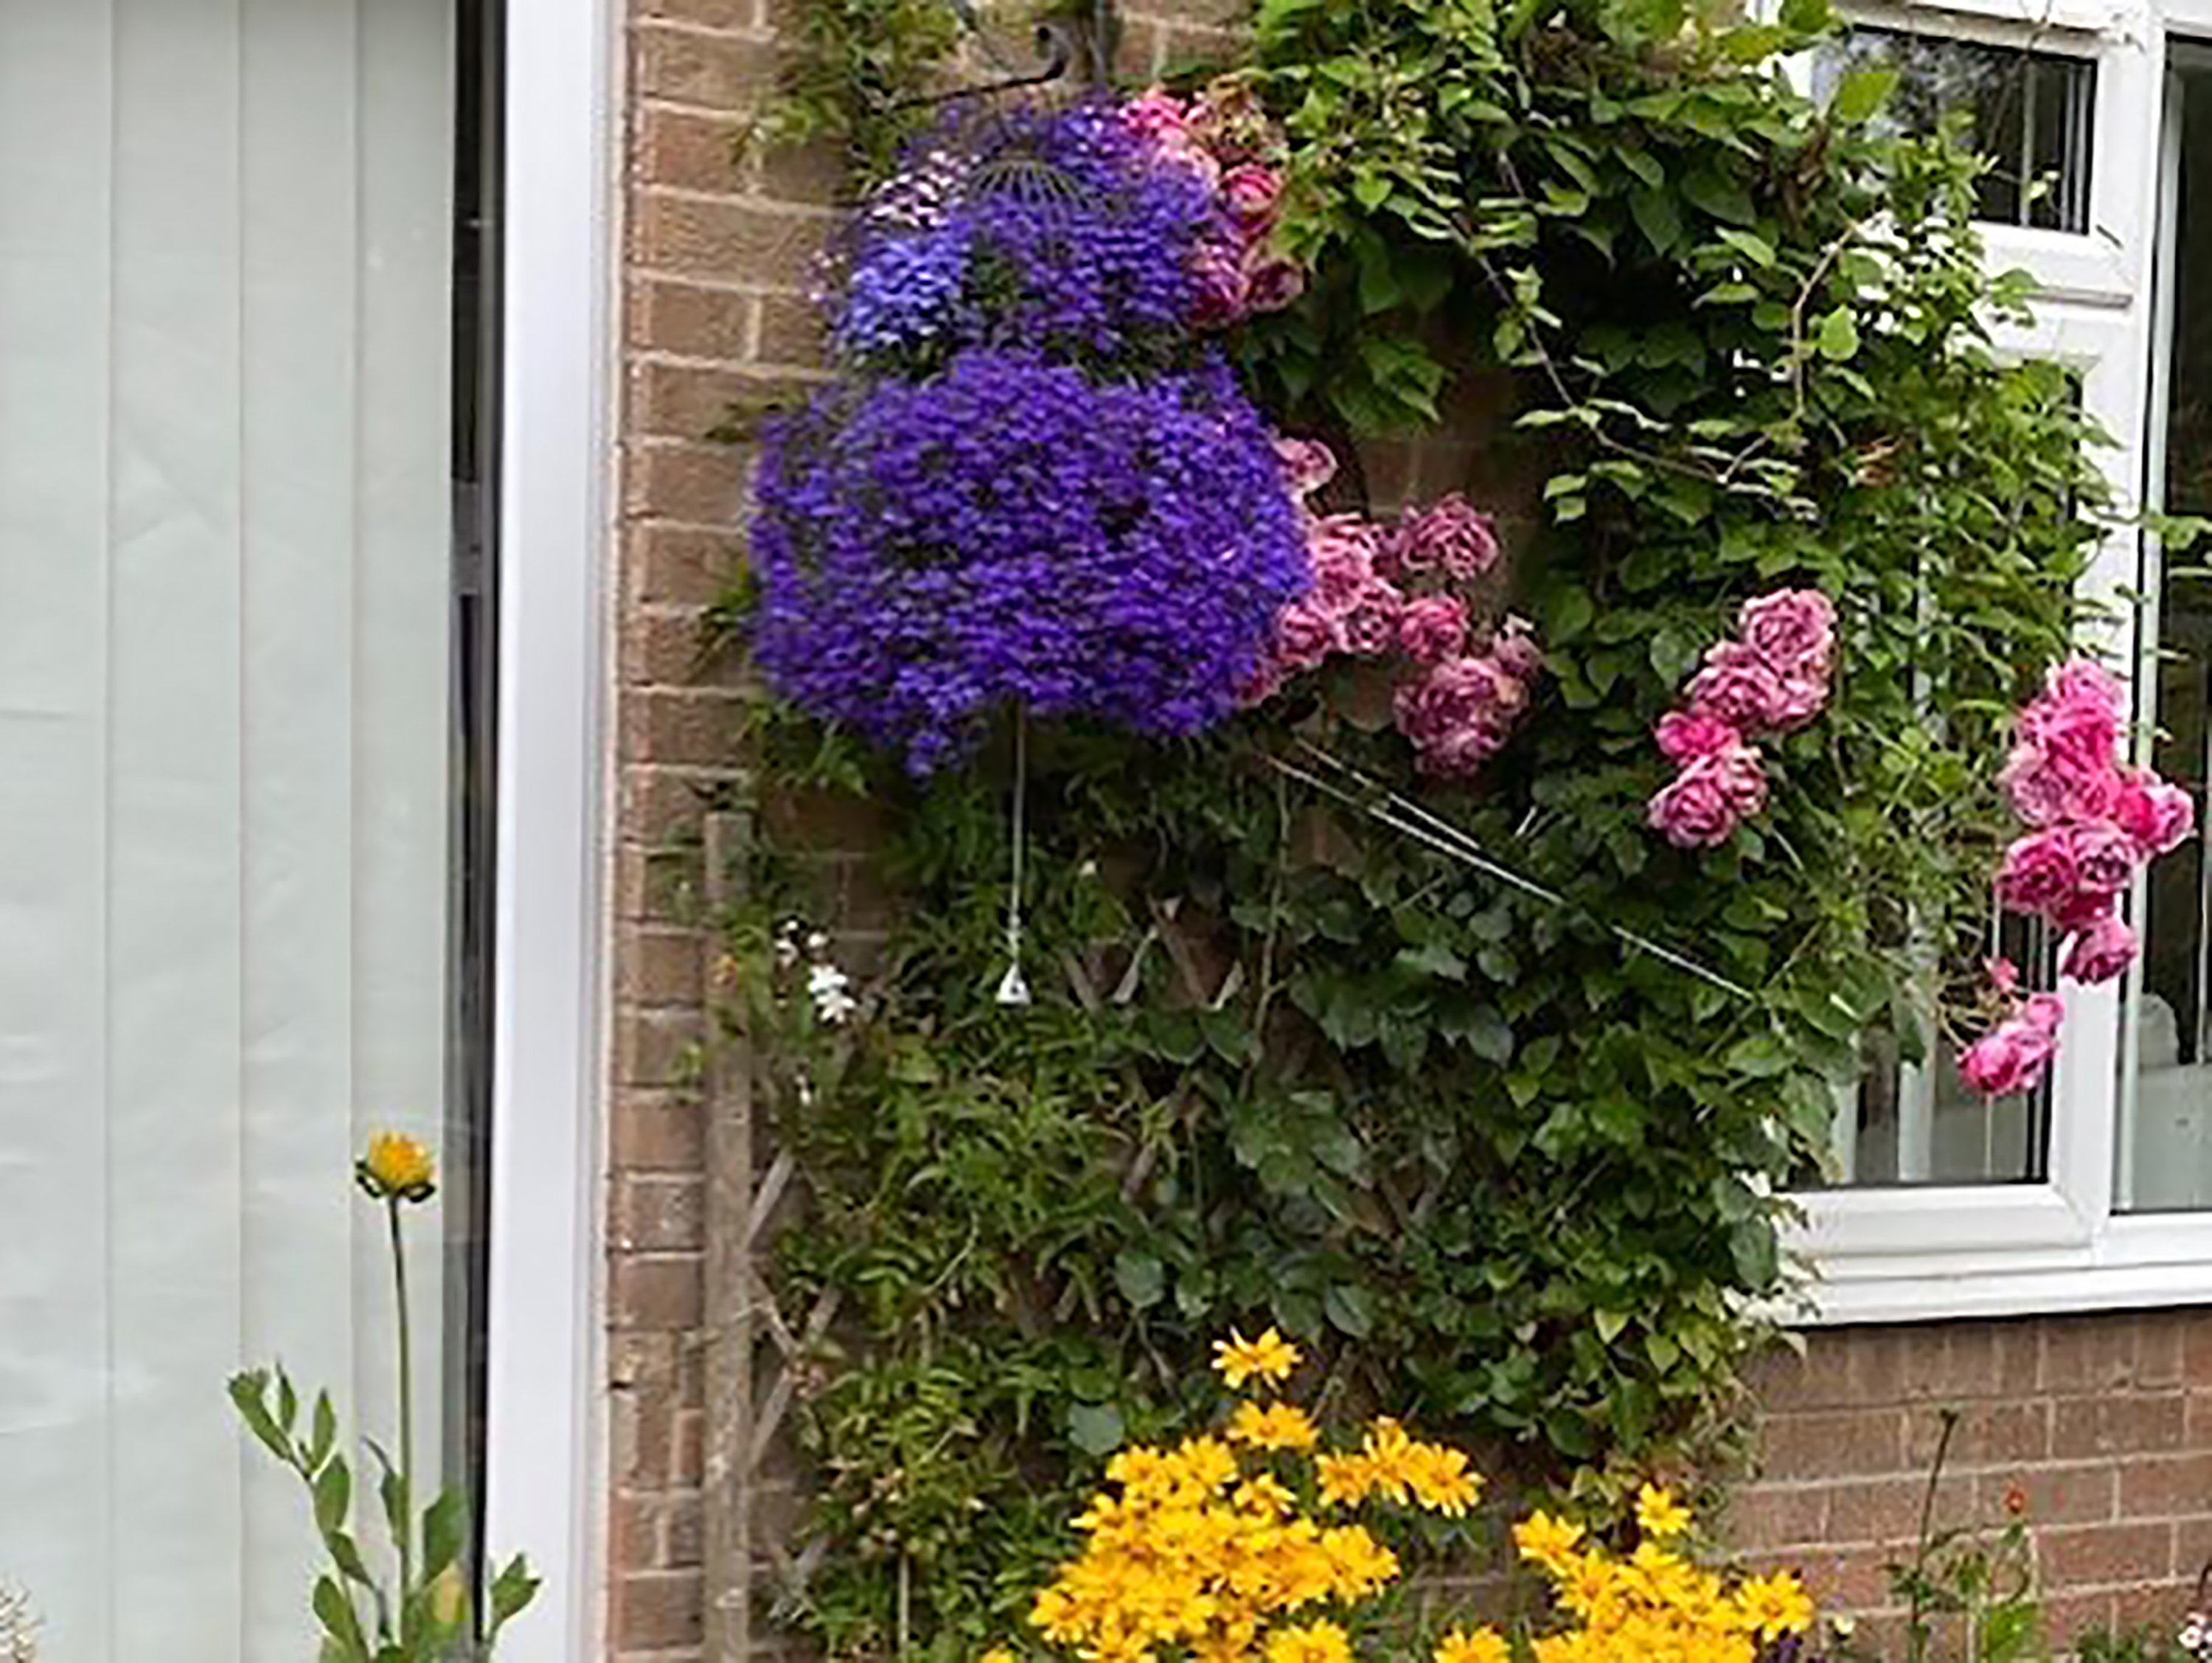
2103,1424
2096,1418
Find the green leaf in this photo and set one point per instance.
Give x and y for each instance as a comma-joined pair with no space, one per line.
1436,960
1657,217
512,1591
324,1436
1572,612
1722,198
248,1392
1096,1429
1860,94
333,1495
1839,337
1350,1310
1762,1056
1140,1277
445,1528
1609,1325
340,1621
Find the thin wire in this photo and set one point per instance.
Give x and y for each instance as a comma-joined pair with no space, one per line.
1403,816
1013,986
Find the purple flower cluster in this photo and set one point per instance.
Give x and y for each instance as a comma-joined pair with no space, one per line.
1055,231
1013,532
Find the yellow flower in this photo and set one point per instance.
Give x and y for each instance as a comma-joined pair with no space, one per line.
1318,1642
1658,1514
1439,1478
1271,1357
1773,1607
1273,1426
1345,1480
397,1168
1546,1541
996,1654
1474,1645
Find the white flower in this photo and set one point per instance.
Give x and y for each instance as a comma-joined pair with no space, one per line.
831,990
786,944
818,943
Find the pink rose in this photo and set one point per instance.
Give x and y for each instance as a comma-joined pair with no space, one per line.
1712,797
1342,549
2082,910
2156,813
1686,735
1797,701
1252,193
1309,466
1433,629
1458,693
1272,283
1460,754
2039,875
1737,686
2013,1057
1794,629
2085,682
2102,952
2004,977
1305,635
1370,622
1158,114
1224,292
1267,679
1450,536
2105,857
1517,650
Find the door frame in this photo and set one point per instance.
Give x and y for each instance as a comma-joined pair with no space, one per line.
546,1463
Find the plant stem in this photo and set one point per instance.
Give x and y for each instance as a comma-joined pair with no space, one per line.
1917,1628
406,1542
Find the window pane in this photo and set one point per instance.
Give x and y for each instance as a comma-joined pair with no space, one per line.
2028,112
2165,1143
228,835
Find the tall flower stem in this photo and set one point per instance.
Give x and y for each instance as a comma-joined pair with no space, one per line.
405,1523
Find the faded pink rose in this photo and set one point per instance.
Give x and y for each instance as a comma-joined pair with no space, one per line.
1433,629
1370,622
1272,283
1794,629
2084,681
1224,292
1797,701
2105,856
2156,813
1309,466
1452,536
1516,649
2004,976
2039,875
1458,693
1342,549
2012,1058
1737,686
1686,735
1460,754
1305,635
2102,952
2082,910
1253,193
1701,806
2046,785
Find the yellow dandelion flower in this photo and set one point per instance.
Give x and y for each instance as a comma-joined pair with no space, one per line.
1658,1514
1440,1480
1271,1358
1205,1463
1474,1646
1273,1426
1772,1606
1345,1480
1316,1643
397,1168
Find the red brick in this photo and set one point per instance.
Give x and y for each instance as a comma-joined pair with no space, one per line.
2110,1555
699,483
689,151
2166,1487
2055,1494
2116,1425
670,565
718,71
666,1293
657,1610
2088,1353
1826,1446
651,1136
1773,1517
729,241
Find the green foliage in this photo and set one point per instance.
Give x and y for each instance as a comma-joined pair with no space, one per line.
1295,1059
850,72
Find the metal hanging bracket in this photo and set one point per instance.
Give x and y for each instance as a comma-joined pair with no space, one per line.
1064,47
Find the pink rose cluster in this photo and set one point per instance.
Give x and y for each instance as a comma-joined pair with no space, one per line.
1771,677
1223,135
2091,824
1402,592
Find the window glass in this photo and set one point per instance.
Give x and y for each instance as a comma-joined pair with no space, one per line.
2027,112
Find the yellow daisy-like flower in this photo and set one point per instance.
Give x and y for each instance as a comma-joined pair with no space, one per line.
1316,1643
397,1168
997,1654
1271,1358
1546,1541
1474,1646
1273,1426
1658,1514
1773,1607
1345,1480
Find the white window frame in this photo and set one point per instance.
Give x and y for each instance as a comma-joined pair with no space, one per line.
1930,1253
546,1463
